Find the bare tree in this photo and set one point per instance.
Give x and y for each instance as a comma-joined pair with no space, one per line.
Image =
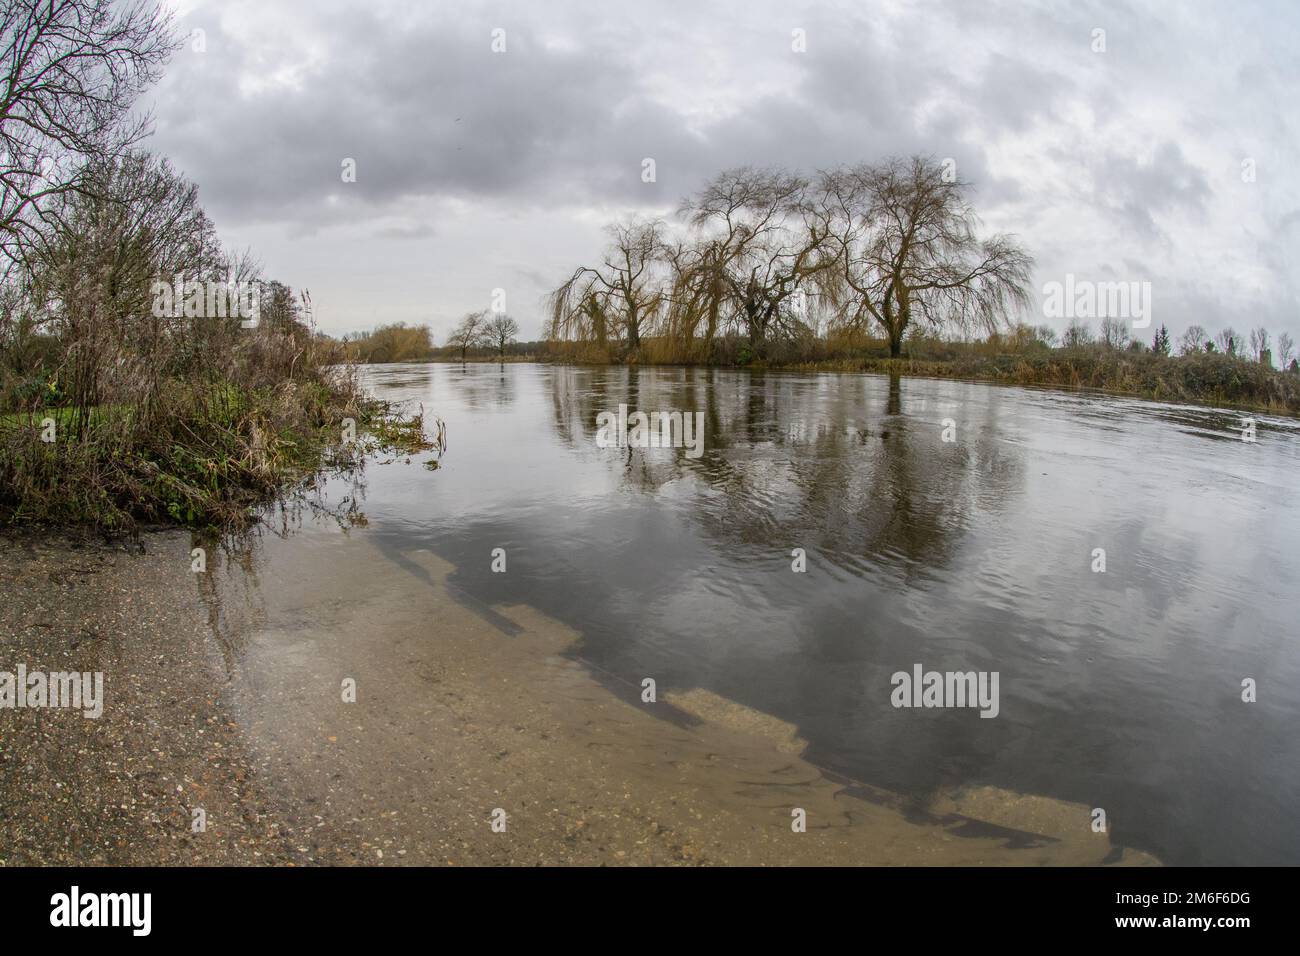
908,249
768,254
621,297
72,69
1285,349
472,332
138,222
502,330
1193,340
1114,333
1259,342
1228,341
760,247
1076,335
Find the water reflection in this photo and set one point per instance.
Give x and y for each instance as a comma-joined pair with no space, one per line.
1119,690
230,587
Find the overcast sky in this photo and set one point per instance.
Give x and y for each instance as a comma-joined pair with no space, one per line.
478,170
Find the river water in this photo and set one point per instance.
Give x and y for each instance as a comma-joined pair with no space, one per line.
1120,690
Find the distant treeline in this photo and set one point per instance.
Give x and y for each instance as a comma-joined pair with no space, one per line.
1195,368
399,342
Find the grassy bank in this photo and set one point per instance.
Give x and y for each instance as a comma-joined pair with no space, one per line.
204,458
212,459
1209,379
195,444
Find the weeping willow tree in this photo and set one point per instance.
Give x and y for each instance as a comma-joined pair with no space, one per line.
745,268
618,300
695,307
759,248
579,315
908,250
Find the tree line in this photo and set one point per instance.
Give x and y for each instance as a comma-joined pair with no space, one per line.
1115,335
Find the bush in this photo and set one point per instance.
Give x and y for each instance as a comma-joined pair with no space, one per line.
201,455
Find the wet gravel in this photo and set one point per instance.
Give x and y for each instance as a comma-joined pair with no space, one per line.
223,694
123,788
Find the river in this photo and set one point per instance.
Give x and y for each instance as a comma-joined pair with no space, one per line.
950,525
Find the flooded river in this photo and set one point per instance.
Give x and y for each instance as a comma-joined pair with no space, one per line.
960,527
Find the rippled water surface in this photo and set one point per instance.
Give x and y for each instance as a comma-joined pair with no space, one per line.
1120,690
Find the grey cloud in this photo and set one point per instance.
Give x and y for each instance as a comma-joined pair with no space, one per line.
413,231
547,131
1139,190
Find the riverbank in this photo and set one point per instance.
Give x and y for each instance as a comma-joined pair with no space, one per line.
223,694
1211,380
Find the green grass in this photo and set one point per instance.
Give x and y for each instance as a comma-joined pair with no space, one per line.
65,418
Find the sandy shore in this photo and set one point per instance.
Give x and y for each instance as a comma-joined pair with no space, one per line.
223,692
